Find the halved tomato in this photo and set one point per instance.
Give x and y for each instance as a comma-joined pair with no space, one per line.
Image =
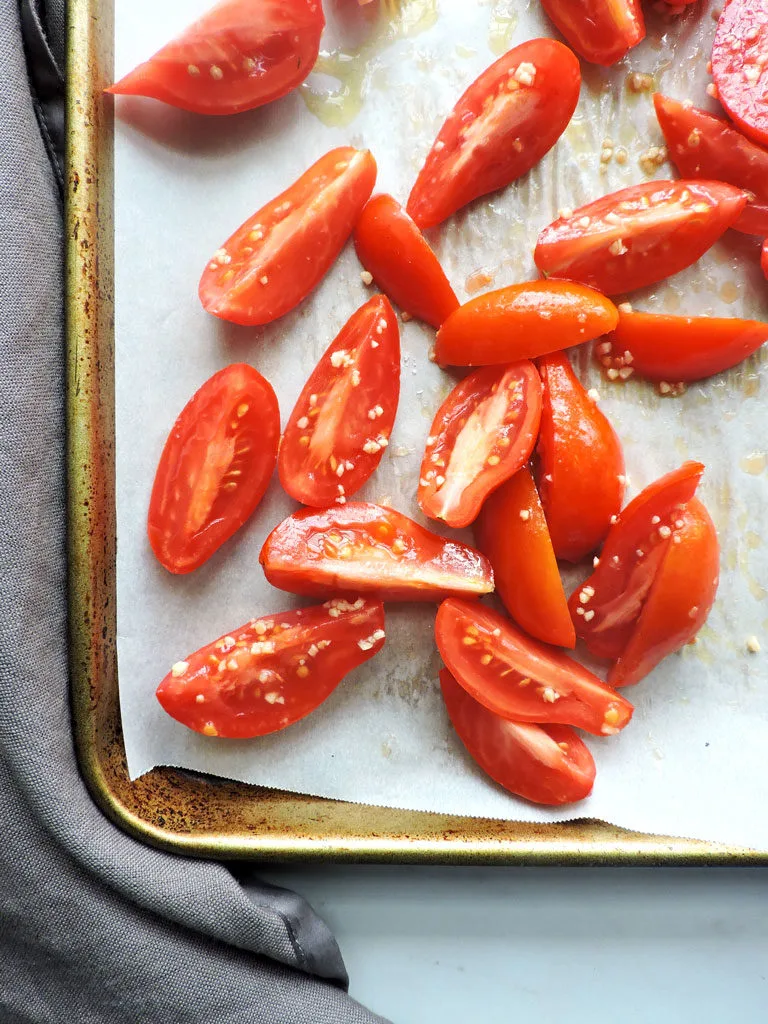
215,467
278,255
740,65
601,31
482,434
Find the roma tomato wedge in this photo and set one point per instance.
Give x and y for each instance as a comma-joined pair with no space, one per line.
239,55
396,254
501,127
546,764
278,255
341,423
519,678
523,321
272,671
601,31
215,467
361,548
740,65
638,235
482,434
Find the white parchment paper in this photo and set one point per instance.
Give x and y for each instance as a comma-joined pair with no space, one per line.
691,762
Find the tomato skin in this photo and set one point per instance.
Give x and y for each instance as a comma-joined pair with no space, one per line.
764,259
481,435
500,128
601,31
230,428
283,251
741,43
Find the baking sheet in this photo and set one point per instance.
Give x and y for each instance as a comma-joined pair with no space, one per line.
689,764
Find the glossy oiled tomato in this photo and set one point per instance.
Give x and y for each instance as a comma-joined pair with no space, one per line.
278,255
215,467
740,65
483,432
600,30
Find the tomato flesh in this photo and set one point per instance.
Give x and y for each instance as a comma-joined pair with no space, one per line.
740,65
601,31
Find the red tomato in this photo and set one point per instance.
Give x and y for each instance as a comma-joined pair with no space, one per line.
392,248
600,30
273,671
547,764
523,321
512,531
580,471
276,258
764,259
342,420
482,434
215,467
363,548
503,124
238,56
638,235
740,65
519,678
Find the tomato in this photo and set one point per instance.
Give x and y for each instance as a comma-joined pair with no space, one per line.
394,251
483,432
215,467
501,127
272,671
580,471
740,65
239,55
276,258
523,321
512,531
361,548
601,31
764,259
638,235
547,764
519,678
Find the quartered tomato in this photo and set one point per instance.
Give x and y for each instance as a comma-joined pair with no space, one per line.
215,467
239,55
580,470
277,257
546,764
638,235
601,31
361,548
740,65
273,671
483,432
501,127
341,423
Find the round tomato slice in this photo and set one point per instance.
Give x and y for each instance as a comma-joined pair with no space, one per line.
482,434
278,255
638,235
519,678
215,467
273,671
546,764
740,65
239,55
601,31
501,127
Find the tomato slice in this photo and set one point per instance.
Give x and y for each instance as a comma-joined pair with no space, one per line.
278,255
273,671
601,31
239,55
638,235
523,321
740,65
501,127
394,251
215,467
546,764
512,531
482,434
361,548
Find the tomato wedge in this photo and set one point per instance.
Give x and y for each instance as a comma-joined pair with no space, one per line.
601,31
512,531
237,56
546,764
278,255
215,467
740,65
501,127
482,434
394,251
341,423
519,678
638,235
363,548
523,321
272,671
